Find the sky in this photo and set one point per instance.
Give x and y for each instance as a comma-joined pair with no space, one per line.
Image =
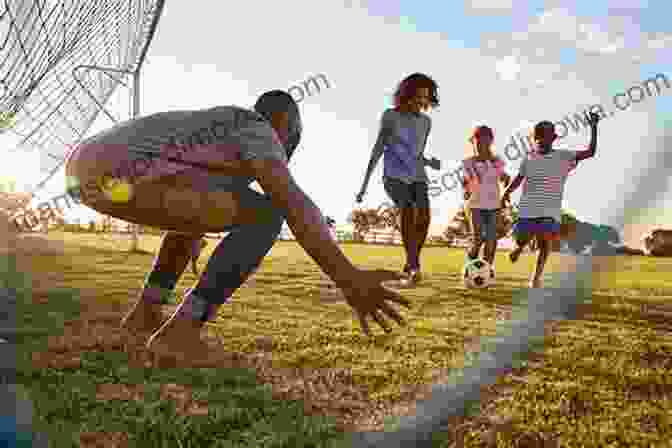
505,63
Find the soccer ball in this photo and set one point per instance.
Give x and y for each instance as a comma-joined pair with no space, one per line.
476,274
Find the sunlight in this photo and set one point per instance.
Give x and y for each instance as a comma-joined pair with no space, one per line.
19,165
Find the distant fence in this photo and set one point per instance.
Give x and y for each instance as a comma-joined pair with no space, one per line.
376,236
383,237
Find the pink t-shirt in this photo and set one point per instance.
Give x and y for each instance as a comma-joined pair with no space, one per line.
482,179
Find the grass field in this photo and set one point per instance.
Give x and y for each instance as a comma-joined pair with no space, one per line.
602,380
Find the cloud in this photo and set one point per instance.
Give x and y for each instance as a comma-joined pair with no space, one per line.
660,42
507,68
488,6
552,64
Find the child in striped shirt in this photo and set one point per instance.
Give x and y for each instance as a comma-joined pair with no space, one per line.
545,172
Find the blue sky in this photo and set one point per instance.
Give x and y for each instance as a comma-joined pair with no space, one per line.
506,63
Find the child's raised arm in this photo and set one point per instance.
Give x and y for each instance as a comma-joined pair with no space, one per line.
593,119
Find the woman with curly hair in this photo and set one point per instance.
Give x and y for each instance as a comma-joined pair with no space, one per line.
402,138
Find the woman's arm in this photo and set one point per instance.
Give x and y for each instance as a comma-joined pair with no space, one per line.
376,152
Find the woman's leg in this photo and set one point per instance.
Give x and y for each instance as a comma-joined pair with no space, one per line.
400,194
412,259
422,216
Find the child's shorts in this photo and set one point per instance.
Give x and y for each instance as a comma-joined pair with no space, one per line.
526,228
484,224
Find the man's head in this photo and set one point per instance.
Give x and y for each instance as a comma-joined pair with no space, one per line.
282,112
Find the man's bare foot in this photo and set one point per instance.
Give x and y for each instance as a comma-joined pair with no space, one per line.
514,255
143,318
180,338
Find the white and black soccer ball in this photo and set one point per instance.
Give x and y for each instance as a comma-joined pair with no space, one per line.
477,274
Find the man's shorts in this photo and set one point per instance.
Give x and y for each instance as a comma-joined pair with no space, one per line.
178,199
546,228
404,195
484,224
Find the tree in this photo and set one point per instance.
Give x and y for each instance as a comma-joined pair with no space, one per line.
390,217
364,220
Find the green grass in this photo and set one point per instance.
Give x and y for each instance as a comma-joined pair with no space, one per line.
604,378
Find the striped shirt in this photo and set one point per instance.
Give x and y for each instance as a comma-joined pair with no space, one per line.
402,139
545,178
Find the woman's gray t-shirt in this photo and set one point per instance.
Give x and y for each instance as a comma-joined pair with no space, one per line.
402,140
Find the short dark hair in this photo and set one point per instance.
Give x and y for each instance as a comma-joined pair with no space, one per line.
411,84
281,101
543,124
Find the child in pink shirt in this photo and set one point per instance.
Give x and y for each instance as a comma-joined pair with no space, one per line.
482,174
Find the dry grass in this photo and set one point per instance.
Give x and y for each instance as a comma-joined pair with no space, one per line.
602,379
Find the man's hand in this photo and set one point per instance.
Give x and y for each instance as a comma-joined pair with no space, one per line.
434,163
593,119
368,297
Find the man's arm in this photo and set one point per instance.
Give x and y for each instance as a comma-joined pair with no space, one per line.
304,218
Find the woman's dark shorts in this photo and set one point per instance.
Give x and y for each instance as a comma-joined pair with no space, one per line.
404,195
